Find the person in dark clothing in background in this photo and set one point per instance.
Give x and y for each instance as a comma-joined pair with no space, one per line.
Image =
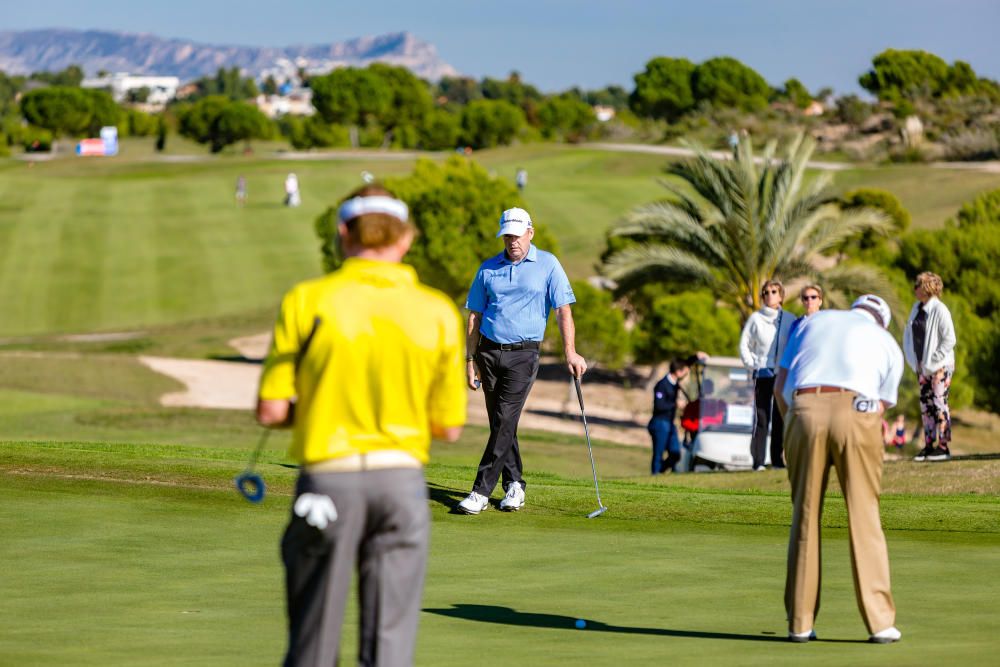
661,426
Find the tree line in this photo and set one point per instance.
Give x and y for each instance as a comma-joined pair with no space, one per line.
687,269
386,106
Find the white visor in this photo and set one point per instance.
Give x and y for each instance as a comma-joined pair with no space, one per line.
352,208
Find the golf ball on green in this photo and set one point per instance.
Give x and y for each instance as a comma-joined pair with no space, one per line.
581,624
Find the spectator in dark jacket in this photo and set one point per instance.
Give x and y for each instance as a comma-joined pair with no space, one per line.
661,426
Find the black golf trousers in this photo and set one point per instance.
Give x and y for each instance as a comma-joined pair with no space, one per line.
506,376
766,416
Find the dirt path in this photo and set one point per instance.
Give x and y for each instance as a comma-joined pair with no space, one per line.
552,405
687,152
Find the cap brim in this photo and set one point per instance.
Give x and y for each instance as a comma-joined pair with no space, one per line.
514,228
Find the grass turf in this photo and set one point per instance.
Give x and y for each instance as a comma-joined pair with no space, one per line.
127,544
91,245
144,555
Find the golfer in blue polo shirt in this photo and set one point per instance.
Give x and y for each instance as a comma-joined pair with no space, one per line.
509,304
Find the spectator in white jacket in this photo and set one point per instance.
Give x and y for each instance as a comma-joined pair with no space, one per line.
929,345
761,344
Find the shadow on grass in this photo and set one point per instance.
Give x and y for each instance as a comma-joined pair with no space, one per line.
508,616
239,358
591,419
445,496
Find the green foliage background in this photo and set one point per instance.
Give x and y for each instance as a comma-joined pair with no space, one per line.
455,207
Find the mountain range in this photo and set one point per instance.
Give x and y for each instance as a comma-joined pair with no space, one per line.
22,52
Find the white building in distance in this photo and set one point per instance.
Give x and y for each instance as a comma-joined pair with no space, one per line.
295,103
604,113
161,89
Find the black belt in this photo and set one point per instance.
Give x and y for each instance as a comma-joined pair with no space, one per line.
488,344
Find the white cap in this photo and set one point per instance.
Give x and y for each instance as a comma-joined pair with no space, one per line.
876,305
514,221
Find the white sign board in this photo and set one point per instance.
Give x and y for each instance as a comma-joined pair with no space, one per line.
739,415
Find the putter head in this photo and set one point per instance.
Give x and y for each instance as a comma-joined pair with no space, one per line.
251,486
598,512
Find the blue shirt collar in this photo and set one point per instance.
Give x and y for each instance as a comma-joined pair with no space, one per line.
532,255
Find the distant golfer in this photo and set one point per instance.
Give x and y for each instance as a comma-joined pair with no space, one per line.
521,178
292,196
839,373
365,365
509,304
241,191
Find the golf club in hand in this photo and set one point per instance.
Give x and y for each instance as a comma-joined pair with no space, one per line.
601,509
248,483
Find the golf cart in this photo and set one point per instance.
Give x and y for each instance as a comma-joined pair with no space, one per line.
718,420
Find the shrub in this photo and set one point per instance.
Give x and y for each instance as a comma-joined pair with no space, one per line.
36,140
726,82
663,90
600,327
976,144
983,210
679,324
440,130
455,207
490,123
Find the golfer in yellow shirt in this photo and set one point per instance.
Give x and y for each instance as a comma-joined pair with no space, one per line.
365,366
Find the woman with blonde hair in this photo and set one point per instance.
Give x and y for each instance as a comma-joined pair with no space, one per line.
812,300
929,345
761,344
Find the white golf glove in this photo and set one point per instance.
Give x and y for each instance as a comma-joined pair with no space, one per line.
318,510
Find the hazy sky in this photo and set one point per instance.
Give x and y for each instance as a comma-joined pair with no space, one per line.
559,43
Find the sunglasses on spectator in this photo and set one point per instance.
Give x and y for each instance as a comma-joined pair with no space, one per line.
810,297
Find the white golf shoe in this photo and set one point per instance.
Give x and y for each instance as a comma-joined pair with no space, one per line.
474,503
514,500
887,636
802,637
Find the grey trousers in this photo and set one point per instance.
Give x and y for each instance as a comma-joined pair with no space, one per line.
382,528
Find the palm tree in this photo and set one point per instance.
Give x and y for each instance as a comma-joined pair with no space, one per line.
734,223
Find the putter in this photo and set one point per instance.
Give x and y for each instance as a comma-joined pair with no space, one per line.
601,509
248,483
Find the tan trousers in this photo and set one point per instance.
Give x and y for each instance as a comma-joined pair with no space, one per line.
824,430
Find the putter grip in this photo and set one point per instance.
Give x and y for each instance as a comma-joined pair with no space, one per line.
579,391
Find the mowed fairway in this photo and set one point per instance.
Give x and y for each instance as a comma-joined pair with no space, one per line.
144,555
90,245
124,542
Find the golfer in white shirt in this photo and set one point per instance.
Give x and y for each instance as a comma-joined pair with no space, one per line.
839,372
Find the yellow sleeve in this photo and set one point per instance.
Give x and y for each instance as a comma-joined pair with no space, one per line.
277,381
448,394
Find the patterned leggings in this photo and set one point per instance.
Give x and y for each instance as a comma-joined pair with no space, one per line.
934,410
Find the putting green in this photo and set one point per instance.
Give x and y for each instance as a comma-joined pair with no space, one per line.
144,555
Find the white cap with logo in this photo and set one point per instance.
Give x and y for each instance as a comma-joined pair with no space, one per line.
876,305
515,221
